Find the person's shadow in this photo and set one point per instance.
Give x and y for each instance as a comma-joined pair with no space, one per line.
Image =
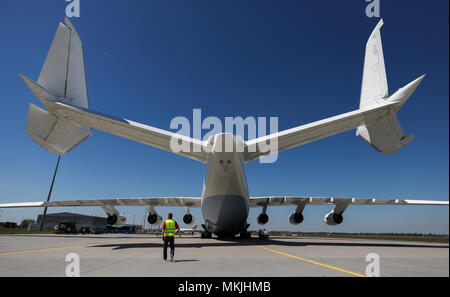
191,260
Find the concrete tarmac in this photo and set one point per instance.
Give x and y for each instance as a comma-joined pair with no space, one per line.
141,255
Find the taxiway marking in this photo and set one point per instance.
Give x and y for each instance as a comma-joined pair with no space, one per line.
312,262
61,247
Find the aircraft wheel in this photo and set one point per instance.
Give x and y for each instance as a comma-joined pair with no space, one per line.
206,235
245,235
263,234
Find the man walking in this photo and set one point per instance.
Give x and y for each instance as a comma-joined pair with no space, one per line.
168,232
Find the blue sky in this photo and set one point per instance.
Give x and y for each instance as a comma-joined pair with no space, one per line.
300,61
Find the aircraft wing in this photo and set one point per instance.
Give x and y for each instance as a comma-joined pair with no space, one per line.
302,201
163,201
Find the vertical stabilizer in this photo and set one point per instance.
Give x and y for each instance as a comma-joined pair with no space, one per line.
374,89
385,134
63,79
63,71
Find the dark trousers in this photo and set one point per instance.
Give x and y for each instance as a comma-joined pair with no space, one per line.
169,241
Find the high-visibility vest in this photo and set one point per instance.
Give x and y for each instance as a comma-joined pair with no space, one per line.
169,229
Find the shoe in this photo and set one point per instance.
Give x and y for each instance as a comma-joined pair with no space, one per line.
171,258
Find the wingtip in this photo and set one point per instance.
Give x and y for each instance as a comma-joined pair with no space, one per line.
67,21
26,79
418,80
379,25
38,90
69,24
375,30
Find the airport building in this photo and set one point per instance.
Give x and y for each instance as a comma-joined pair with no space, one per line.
80,220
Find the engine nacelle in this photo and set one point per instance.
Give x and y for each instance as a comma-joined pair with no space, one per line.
116,220
262,219
333,218
188,219
295,218
154,219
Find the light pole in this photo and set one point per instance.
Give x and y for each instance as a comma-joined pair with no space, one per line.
143,221
49,194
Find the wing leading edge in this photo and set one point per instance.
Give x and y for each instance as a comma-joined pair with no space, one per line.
295,201
160,201
196,202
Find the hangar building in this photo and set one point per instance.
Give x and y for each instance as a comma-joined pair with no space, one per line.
80,220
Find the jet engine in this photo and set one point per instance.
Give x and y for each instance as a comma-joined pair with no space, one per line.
116,220
295,218
154,219
333,218
188,219
262,219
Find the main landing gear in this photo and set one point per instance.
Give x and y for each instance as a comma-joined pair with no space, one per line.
263,234
206,233
245,235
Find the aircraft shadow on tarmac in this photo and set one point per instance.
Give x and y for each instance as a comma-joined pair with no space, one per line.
242,242
269,242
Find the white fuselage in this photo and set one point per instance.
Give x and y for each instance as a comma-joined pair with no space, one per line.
225,197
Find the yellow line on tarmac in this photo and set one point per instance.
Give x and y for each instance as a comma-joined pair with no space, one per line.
44,249
312,262
63,247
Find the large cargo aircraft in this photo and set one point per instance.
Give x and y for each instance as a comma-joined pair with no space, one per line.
225,200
